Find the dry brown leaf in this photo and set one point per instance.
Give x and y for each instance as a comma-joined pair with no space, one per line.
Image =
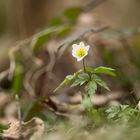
31,130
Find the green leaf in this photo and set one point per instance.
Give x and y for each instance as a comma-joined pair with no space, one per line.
121,113
76,82
68,79
80,80
17,79
105,70
112,112
91,87
3,127
89,70
101,70
64,32
42,37
56,21
72,13
65,82
100,82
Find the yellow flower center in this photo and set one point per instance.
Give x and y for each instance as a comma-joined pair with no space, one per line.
80,52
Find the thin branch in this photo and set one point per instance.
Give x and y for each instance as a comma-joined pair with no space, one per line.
18,105
93,4
4,74
65,44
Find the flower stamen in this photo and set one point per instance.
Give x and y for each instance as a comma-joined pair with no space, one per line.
80,52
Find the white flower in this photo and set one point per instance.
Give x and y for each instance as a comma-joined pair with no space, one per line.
80,51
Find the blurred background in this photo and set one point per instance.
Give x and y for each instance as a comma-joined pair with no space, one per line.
35,55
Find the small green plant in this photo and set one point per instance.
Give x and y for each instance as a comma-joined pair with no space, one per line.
87,77
122,113
3,127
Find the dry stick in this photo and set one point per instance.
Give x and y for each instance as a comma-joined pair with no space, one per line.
11,55
19,115
27,84
77,35
30,76
10,76
65,44
92,4
57,113
31,92
89,6
48,70
10,73
4,74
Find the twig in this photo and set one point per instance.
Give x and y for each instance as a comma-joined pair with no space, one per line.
55,111
65,44
19,115
27,84
92,5
4,74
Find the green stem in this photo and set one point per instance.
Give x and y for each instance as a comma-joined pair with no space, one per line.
84,65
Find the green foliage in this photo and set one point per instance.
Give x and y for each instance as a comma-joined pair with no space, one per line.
91,87
67,19
94,116
3,127
121,113
65,82
72,13
69,16
58,26
42,37
80,80
101,70
17,79
105,70
100,82
90,80
68,79
56,21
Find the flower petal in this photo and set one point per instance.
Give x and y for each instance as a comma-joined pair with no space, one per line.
80,51
81,44
80,58
74,46
74,54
